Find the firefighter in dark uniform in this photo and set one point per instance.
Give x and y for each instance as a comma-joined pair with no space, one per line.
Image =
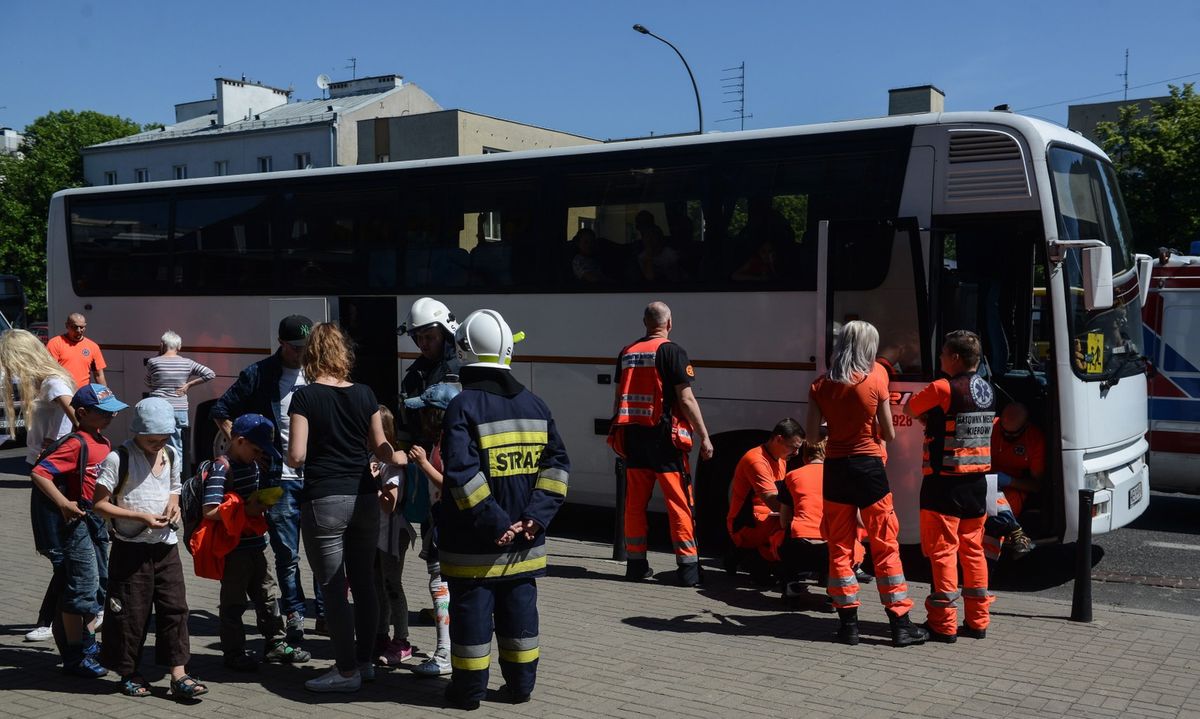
958,412
506,473
431,326
655,418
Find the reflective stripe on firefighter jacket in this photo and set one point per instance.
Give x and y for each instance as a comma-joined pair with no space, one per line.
504,462
958,439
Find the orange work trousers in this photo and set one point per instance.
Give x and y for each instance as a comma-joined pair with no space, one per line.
765,536
840,527
677,492
949,541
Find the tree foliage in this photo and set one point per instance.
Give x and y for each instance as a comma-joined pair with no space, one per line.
1157,157
48,161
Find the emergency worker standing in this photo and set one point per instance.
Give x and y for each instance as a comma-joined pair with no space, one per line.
655,417
754,497
853,396
958,413
506,473
431,326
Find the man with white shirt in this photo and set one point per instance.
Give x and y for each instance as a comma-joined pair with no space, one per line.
266,388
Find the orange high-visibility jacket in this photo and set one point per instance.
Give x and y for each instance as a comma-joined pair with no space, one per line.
958,435
640,396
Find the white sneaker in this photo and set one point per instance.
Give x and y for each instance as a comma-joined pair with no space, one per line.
333,681
437,665
99,619
39,634
366,670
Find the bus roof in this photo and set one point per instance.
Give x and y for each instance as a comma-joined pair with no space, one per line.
1038,132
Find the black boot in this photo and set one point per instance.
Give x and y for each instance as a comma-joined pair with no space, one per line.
637,570
847,632
688,575
904,632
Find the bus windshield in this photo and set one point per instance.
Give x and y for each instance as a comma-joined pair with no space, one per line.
1106,344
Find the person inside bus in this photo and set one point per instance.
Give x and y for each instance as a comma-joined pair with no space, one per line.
585,265
1019,458
657,261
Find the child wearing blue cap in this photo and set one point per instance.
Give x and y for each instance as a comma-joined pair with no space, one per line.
432,406
246,573
138,491
66,473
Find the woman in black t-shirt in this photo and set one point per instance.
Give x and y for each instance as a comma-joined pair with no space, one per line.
335,427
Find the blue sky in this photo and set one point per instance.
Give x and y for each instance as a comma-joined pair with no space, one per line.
579,67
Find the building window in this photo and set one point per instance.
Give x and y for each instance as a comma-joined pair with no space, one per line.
110,177
303,161
142,174
221,168
264,163
179,171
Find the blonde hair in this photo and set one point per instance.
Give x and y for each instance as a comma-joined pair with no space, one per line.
327,354
25,360
853,351
389,424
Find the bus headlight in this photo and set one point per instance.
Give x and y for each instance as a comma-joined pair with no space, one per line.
1097,481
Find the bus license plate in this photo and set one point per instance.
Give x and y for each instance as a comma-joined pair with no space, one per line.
1135,495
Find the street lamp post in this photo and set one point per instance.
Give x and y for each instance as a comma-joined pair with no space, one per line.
699,111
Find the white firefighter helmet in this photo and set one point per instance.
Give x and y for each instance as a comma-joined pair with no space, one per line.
427,312
484,340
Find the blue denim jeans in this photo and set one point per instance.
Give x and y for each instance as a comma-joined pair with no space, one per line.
47,526
283,525
176,441
84,565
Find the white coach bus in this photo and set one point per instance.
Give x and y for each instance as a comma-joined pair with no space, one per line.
762,242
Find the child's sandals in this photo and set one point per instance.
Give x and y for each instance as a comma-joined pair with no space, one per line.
187,687
134,685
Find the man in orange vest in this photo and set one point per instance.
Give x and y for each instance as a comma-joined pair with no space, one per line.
958,413
655,418
754,497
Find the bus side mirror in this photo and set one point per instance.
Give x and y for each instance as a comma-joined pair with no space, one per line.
1145,268
1097,278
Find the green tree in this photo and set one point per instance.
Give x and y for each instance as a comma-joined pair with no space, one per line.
49,161
1157,157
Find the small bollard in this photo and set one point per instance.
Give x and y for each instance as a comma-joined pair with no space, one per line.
1081,598
618,542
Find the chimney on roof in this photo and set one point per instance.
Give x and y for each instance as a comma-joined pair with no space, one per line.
912,100
236,98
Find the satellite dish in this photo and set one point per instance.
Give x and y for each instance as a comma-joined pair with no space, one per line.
323,81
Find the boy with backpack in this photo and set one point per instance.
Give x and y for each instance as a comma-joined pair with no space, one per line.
138,492
232,498
66,473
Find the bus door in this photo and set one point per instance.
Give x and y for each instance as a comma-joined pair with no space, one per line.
370,323
874,271
990,279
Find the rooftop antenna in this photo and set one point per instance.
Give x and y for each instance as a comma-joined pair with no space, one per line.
1126,73
736,85
323,83
353,67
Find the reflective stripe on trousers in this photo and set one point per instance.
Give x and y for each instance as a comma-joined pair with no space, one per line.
639,484
840,526
949,541
475,608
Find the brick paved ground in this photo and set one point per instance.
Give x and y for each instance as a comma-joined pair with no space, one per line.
610,648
